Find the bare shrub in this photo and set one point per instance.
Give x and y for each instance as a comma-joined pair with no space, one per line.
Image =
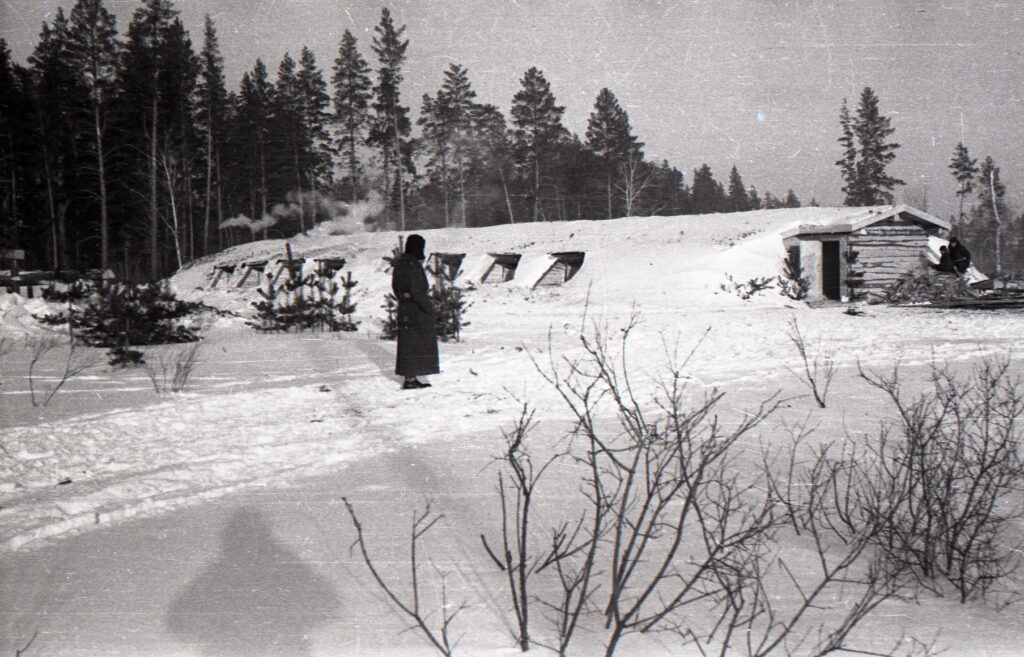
945,473
515,556
682,536
21,651
439,636
173,367
77,361
824,498
818,370
6,347
666,475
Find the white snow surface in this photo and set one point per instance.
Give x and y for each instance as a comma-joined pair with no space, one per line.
271,410
124,461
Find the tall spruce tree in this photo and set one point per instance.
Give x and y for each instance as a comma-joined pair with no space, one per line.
288,139
867,152
492,160
706,194
753,199
670,195
609,136
965,170
848,162
991,212
142,112
459,101
391,126
178,145
94,53
254,122
314,102
211,118
737,198
351,107
15,130
790,200
58,96
537,122
435,123
448,130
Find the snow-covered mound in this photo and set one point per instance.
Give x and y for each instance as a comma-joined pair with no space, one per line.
680,261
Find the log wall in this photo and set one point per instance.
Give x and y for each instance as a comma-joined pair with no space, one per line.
888,250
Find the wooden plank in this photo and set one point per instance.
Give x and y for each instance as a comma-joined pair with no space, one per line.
894,262
883,240
890,239
893,227
885,244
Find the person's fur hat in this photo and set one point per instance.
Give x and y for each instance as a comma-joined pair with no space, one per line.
414,245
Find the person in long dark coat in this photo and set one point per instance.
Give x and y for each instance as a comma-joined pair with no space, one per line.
959,255
417,334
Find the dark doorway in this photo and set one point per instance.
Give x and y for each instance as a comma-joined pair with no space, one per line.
830,287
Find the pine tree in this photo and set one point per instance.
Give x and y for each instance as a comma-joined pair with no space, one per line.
848,163
737,199
254,121
94,52
866,153
351,106
753,199
391,125
437,131
59,92
148,103
668,194
492,157
313,103
178,150
15,123
288,140
770,202
609,135
459,102
790,200
965,170
538,129
448,130
986,225
706,195
211,118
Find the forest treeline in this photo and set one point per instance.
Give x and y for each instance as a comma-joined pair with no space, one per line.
127,151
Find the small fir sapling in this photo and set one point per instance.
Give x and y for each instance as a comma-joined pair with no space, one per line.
389,330
121,316
346,307
792,281
746,290
449,302
854,275
304,303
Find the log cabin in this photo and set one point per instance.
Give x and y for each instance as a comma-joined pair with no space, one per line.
859,253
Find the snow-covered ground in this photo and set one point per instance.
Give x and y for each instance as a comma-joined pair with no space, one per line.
275,412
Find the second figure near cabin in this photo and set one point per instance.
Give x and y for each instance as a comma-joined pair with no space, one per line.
417,333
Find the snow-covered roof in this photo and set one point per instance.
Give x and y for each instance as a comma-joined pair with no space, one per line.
848,220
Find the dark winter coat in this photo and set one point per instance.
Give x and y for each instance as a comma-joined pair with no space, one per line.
960,256
417,334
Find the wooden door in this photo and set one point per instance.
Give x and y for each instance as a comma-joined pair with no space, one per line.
830,263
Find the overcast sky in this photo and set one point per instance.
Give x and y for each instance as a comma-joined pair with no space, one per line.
755,83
